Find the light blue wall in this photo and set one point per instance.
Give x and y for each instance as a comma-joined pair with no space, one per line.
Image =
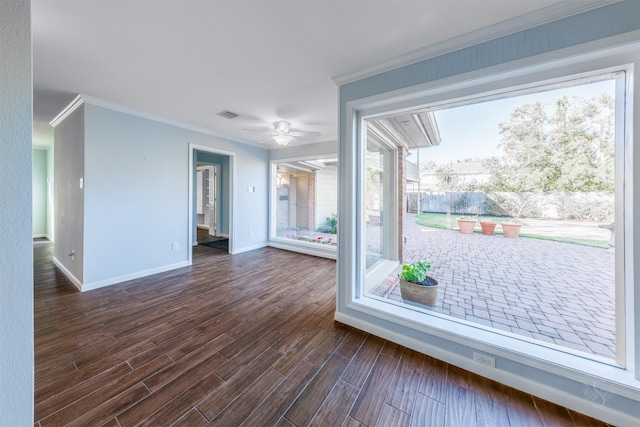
137,194
39,187
16,250
596,24
610,21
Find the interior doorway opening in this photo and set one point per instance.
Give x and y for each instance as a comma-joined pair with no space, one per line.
207,200
210,198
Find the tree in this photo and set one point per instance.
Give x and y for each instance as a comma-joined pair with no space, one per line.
570,150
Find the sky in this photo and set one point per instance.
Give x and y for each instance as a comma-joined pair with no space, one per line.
471,131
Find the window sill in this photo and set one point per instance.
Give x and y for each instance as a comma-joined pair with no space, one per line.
601,374
309,248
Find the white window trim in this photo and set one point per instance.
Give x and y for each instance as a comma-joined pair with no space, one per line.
545,68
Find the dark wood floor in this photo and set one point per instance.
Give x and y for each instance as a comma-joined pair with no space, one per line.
246,339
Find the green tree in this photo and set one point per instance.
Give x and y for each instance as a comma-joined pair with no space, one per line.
568,150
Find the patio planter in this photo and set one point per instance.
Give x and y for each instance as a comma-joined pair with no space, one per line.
466,225
425,293
488,227
511,229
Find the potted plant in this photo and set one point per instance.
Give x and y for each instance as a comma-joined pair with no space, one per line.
466,224
488,227
416,286
511,229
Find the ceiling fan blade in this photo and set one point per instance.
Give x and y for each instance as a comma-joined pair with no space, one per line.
266,129
302,133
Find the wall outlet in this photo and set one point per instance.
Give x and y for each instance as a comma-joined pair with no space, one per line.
488,361
174,246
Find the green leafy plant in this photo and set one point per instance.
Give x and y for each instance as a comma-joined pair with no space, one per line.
330,225
415,272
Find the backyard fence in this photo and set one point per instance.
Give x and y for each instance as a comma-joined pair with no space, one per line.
579,206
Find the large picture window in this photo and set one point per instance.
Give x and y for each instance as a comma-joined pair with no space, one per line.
540,161
304,205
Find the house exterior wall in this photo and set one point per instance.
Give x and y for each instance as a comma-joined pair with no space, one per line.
326,199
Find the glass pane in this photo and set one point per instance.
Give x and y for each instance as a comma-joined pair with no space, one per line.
377,197
306,200
533,177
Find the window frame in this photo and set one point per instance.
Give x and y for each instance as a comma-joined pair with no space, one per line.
449,339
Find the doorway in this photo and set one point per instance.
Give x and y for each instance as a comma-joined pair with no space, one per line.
207,202
210,197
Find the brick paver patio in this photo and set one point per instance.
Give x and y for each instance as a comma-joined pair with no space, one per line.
555,292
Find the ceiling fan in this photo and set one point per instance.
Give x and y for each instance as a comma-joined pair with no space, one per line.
283,134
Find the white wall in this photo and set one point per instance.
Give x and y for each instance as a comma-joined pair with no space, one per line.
50,194
294,151
136,195
326,194
69,220
16,251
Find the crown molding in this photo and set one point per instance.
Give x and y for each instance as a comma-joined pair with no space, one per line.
500,29
82,99
77,102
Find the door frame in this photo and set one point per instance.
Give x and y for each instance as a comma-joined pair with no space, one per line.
229,187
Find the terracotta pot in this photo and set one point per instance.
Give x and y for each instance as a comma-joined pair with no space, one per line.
488,227
511,229
426,295
466,226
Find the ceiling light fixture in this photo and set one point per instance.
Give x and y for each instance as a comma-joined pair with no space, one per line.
282,139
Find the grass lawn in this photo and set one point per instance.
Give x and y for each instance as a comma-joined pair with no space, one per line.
448,222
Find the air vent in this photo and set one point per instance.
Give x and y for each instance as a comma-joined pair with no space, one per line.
227,114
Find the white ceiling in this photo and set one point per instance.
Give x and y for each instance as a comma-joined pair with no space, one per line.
265,60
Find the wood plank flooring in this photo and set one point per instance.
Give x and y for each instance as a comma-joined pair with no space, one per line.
247,339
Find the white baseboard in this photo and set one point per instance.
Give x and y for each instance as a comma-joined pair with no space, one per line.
138,274
77,283
112,281
249,248
543,391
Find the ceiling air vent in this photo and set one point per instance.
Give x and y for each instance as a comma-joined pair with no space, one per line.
227,114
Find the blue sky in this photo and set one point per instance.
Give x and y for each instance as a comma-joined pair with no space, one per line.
471,131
